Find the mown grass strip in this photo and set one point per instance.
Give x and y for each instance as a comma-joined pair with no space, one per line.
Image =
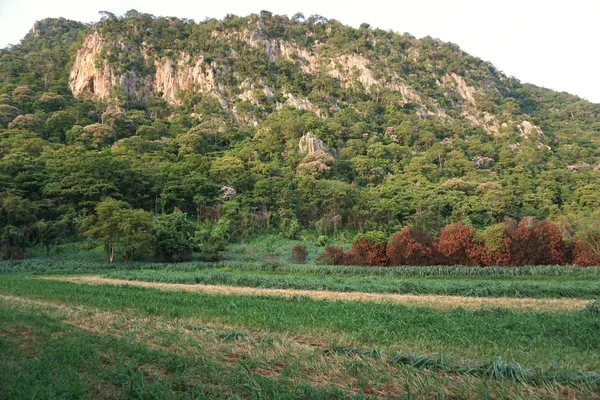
524,287
538,339
433,301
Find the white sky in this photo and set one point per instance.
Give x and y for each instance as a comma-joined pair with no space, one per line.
549,43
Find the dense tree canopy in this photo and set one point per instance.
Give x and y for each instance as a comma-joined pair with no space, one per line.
129,170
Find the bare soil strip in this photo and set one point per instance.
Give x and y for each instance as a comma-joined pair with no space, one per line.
433,301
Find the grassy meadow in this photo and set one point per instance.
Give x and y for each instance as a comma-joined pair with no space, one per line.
256,326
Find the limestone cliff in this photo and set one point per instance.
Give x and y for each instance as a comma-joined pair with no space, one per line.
171,73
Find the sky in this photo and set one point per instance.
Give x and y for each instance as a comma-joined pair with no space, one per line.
549,43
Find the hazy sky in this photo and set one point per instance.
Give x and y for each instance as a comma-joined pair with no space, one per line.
549,43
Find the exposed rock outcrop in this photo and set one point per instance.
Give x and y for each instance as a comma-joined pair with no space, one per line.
530,131
92,77
309,143
301,104
482,162
464,90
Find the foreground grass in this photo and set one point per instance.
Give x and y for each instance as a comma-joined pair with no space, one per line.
536,339
520,287
78,352
44,358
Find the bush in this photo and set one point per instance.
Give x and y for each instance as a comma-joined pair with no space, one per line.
369,249
489,247
412,246
456,245
583,256
322,241
211,239
587,243
332,255
531,242
289,228
299,254
173,237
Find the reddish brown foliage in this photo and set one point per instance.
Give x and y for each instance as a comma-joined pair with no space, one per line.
411,246
368,252
456,246
583,256
532,242
332,255
485,256
529,242
299,254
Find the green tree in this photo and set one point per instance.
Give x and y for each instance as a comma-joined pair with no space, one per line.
173,237
120,229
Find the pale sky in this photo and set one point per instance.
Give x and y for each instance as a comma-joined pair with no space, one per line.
549,43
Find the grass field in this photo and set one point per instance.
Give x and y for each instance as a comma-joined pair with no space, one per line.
77,328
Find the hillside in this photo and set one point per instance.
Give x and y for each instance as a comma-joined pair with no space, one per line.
270,122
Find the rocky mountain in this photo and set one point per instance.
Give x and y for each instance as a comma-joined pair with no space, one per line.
435,79
311,123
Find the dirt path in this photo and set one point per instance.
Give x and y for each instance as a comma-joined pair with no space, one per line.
433,301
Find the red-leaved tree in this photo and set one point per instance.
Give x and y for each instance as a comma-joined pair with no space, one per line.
332,255
412,246
532,242
369,251
583,255
456,245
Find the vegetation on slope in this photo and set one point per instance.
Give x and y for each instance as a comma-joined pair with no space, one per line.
415,131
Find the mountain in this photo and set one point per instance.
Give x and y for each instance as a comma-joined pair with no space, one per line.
305,123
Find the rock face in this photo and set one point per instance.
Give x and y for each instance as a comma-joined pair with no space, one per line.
93,77
529,130
182,73
466,92
86,79
170,76
309,144
228,192
482,162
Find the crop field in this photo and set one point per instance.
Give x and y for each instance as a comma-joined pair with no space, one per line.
260,330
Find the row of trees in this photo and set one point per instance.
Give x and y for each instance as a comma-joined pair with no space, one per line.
126,234
512,243
129,233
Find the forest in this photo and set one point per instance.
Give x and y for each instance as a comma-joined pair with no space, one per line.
410,149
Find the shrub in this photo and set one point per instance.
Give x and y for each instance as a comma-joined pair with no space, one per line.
531,242
299,254
12,243
369,249
322,241
583,256
211,239
289,228
588,241
411,246
456,245
332,255
173,237
489,247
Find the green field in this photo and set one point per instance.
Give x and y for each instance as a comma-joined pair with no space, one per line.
80,339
